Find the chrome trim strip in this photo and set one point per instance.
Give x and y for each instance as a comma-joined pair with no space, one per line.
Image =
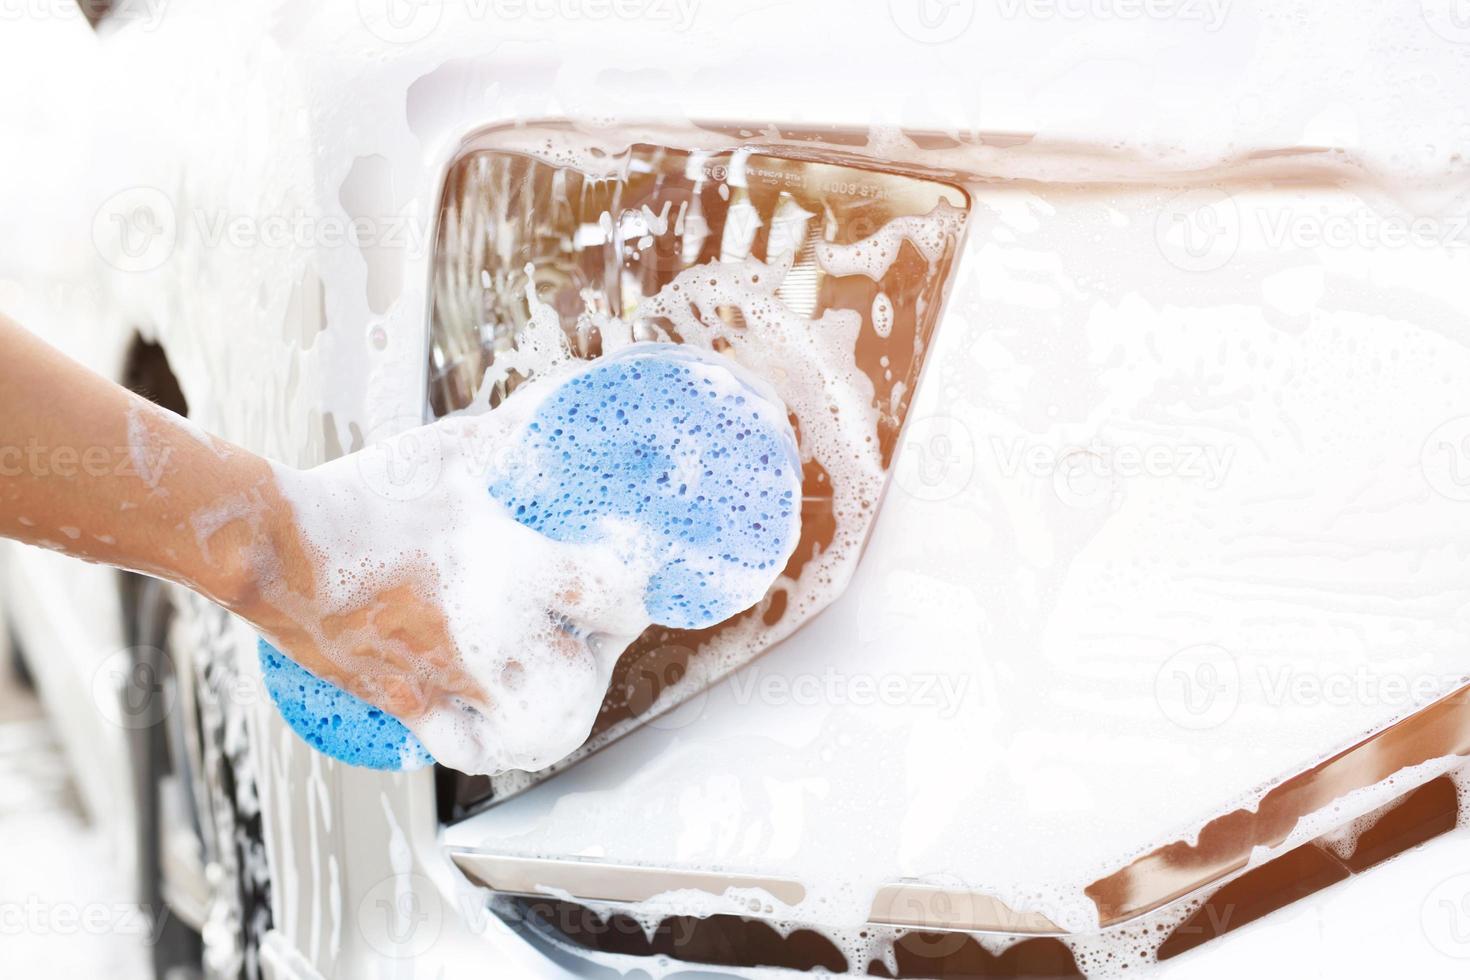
909,904
595,881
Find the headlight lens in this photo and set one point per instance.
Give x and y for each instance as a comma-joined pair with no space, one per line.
816,273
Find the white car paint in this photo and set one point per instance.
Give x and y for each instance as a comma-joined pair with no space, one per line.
217,115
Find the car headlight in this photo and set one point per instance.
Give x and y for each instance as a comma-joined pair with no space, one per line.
821,272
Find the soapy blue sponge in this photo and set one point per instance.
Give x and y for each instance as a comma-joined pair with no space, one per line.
668,442
332,721
671,441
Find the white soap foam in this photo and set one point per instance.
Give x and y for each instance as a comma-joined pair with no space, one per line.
873,256
1394,109
810,364
1316,552
1124,950
541,346
538,623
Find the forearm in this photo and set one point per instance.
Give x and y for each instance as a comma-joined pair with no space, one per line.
95,471
92,470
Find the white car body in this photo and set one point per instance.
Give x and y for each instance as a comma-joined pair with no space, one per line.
260,134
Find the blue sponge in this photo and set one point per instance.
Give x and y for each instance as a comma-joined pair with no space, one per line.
670,440
659,437
332,721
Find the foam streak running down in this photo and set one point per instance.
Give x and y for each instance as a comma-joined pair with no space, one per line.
656,485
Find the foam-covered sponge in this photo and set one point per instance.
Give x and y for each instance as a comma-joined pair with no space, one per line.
332,721
675,444
672,441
